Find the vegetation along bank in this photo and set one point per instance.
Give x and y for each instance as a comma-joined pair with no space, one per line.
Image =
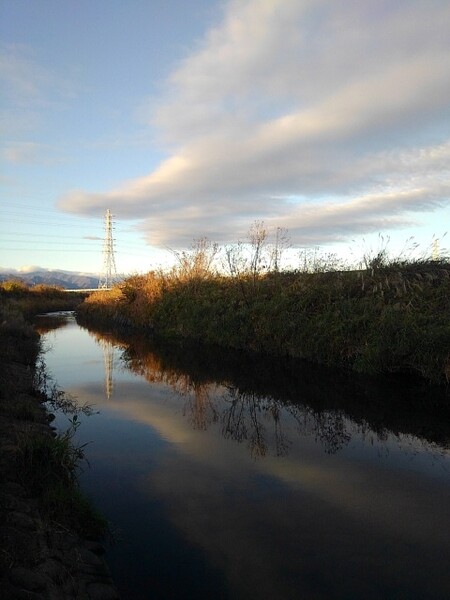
49,532
390,316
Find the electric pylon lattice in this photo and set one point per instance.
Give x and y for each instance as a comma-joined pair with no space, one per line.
108,358
109,272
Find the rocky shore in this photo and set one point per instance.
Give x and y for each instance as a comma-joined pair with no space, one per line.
40,557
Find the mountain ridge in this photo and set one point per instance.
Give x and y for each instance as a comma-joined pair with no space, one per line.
64,279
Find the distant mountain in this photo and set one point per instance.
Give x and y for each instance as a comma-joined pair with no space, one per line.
64,279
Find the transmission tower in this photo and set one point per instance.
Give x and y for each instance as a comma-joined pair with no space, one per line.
108,359
109,272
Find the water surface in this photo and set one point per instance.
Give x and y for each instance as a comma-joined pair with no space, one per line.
234,477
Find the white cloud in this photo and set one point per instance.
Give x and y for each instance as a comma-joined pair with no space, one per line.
344,106
30,269
37,269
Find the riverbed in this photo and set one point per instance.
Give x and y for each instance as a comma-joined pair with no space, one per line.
228,476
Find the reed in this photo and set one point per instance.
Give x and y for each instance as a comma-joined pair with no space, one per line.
28,301
389,316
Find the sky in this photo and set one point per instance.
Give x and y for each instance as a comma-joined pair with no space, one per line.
329,118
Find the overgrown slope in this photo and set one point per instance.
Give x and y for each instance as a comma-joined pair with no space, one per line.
391,318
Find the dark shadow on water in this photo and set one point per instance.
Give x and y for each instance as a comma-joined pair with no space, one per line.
52,321
327,403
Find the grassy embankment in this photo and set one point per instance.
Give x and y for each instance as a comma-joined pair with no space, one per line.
18,297
45,464
392,316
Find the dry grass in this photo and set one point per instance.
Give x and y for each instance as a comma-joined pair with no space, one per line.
391,316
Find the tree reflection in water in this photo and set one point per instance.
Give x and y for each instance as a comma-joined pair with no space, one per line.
258,400
199,407
49,322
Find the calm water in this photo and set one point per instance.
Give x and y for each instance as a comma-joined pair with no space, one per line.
226,477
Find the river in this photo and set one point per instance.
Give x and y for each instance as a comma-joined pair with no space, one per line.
226,476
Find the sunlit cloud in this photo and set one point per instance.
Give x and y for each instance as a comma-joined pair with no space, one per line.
328,118
30,269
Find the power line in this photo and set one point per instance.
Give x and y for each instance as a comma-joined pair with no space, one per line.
38,246
41,250
55,224
52,235
41,209
30,237
138,249
53,243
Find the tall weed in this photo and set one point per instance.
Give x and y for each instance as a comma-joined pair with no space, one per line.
391,315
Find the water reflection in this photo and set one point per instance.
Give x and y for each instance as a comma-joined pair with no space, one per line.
242,477
266,403
109,350
52,321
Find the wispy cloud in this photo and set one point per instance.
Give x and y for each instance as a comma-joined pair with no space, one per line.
25,80
28,90
31,153
328,117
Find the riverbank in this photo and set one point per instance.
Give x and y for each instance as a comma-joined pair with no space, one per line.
384,319
49,534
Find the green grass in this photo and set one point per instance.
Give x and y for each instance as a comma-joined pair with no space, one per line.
74,510
48,467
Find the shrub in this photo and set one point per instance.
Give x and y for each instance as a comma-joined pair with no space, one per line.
390,316
14,286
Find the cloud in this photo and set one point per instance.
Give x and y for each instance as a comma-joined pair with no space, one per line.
37,269
28,89
27,269
329,118
31,153
23,83
30,269
26,80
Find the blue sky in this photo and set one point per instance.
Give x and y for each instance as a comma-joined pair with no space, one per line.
330,118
